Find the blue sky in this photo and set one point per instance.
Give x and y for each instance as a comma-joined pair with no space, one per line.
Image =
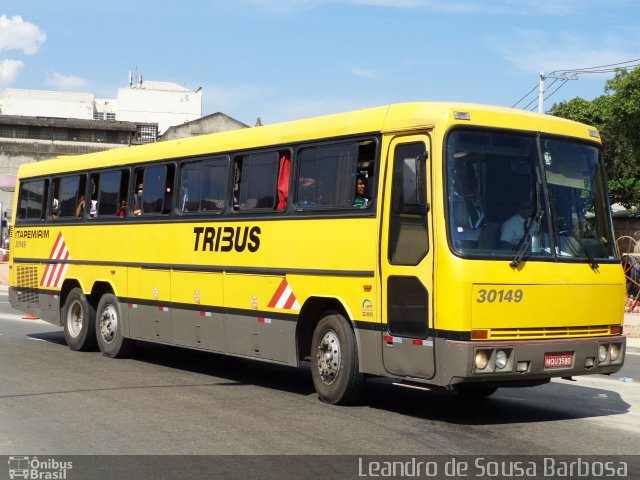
287,59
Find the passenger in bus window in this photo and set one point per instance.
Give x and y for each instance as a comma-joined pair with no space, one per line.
122,211
514,228
54,209
306,192
361,199
137,201
237,176
467,213
80,207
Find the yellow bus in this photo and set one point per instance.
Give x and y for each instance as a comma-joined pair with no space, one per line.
447,246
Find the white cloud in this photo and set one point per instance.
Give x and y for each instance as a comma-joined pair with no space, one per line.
433,5
217,98
534,51
367,73
493,7
9,70
66,83
16,34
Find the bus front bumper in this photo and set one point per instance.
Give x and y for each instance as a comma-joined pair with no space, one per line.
506,363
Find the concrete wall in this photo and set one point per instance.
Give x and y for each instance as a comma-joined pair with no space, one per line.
40,103
163,103
217,122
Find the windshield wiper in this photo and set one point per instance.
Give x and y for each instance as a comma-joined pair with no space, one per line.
526,239
592,261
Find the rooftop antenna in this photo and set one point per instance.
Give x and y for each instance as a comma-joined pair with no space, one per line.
130,79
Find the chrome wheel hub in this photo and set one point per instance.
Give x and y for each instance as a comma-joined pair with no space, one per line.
329,357
109,323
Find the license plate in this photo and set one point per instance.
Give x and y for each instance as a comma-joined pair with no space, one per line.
558,360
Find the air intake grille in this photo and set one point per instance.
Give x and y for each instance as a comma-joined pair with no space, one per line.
548,332
27,284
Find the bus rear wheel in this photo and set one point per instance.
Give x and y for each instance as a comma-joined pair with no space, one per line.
109,328
334,361
78,317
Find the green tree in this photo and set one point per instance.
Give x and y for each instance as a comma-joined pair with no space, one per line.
617,117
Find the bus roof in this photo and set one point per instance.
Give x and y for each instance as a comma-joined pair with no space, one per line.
390,118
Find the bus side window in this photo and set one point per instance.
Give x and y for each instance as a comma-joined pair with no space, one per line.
256,181
155,194
93,205
203,185
32,200
112,193
326,176
69,191
138,191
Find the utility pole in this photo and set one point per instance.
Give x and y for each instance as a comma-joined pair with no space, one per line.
564,76
541,94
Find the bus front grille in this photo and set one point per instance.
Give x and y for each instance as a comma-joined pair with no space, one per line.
548,332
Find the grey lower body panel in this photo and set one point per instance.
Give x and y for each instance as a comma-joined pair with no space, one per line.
456,360
43,305
246,336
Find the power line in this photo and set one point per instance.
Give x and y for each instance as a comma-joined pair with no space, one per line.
600,66
571,74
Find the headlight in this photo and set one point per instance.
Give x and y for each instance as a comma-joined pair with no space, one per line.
614,351
482,360
602,353
501,359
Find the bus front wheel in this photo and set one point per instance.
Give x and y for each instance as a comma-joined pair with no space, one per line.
334,361
109,328
78,317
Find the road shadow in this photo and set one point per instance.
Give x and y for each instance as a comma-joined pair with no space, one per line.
51,337
551,402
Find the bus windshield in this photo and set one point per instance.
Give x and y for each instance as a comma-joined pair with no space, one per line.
526,197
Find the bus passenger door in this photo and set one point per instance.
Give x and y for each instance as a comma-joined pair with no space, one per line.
406,260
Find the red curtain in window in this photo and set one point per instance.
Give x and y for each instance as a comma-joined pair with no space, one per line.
283,180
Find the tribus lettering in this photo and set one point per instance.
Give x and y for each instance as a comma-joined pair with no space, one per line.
225,239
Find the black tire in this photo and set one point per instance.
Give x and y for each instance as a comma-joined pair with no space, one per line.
334,361
475,391
78,320
109,328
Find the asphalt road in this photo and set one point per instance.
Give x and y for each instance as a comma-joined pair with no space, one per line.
170,401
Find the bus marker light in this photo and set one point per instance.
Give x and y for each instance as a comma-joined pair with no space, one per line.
367,288
462,115
479,334
615,330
